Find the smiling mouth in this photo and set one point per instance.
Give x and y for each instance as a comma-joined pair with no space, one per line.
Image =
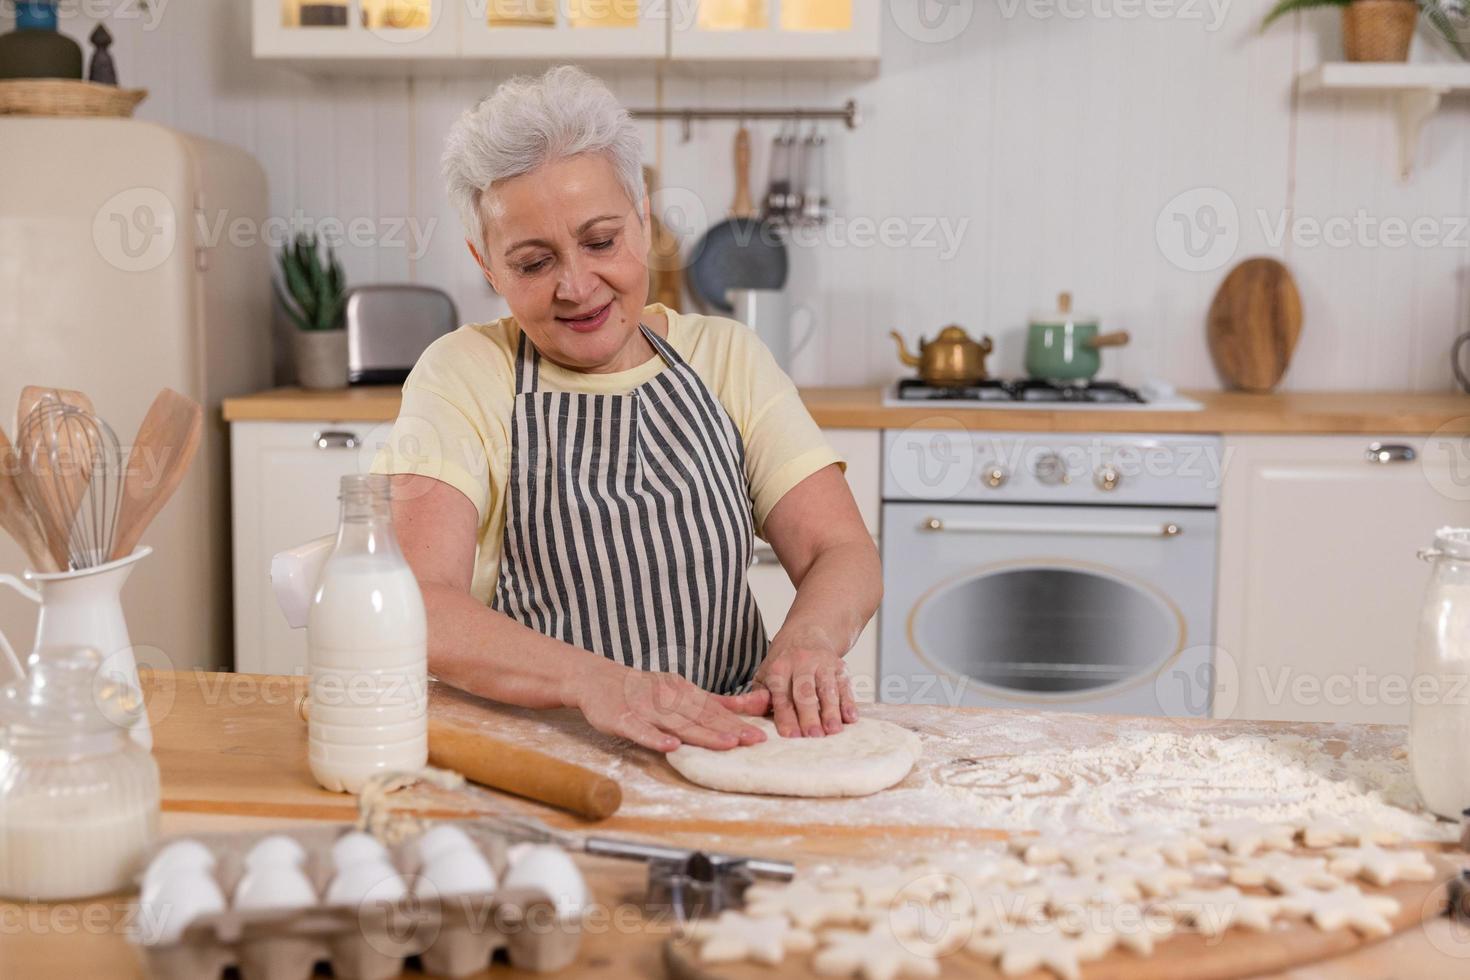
590,320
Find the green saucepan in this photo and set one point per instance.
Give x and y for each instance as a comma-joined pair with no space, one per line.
1063,346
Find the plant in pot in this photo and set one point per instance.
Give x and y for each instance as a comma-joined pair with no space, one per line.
313,294
1382,30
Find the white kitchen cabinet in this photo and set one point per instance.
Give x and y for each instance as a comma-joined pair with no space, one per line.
362,30
426,35
283,479
1320,587
775,30
774,593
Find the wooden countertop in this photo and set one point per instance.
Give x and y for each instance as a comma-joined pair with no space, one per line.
232,754
1348,413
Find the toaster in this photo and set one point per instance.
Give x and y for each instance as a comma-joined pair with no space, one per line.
389,326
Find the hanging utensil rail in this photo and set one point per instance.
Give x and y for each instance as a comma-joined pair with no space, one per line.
848,115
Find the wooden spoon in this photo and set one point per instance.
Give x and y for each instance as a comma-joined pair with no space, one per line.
15,515
170,433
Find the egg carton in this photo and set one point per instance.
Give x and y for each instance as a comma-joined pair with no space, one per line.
453,936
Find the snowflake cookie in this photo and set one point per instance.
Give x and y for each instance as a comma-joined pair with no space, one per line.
806,905
736,936
875,886
1380,867
877,954
1346,906
1328,831
1144,876
1019,951
1246,837
1282,872
1213,911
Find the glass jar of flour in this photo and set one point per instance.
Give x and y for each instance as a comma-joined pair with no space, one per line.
78,796
1439,729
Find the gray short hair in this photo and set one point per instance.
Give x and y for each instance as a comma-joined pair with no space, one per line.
527,122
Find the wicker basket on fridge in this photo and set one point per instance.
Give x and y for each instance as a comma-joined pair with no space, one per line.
1378,30
66,97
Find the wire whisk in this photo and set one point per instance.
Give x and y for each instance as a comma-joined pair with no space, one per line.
71,472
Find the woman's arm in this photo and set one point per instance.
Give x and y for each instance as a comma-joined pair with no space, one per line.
818,533
487,653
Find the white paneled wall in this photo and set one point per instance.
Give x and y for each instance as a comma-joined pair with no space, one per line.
1052,142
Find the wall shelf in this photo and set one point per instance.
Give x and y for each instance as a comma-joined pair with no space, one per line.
1417,91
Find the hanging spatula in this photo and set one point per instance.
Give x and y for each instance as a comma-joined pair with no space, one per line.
15,516
166,444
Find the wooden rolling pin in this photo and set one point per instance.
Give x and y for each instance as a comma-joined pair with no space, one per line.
516,769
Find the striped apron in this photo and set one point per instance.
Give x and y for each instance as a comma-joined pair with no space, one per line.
628,527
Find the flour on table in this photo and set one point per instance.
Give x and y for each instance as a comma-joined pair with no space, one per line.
1165,781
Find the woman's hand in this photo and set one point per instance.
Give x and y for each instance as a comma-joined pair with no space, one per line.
807,680
659,710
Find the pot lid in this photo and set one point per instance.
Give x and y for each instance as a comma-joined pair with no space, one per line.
67,692
1453,542
1063,313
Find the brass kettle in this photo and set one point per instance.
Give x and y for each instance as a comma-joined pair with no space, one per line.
951,358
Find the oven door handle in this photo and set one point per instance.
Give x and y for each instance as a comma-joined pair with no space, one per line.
1169,530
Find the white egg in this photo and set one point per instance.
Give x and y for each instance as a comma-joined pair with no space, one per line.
277,850
547,868
357,848
181,855
457,873
274,887
368,881
174,901
441,839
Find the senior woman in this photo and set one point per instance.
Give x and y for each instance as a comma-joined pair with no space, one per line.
577,485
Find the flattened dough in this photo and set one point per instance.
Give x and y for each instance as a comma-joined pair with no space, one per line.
863,758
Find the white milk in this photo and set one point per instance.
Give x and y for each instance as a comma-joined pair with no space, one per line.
367,641
1439,730
51,850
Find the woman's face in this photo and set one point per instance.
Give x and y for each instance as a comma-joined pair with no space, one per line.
568,251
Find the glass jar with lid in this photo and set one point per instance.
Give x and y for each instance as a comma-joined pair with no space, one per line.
79,798
1439,729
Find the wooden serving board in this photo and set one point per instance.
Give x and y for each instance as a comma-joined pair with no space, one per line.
1237,954
1254,322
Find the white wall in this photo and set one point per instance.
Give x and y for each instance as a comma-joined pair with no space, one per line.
1059,140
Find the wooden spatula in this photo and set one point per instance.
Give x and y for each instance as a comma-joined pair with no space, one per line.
15,516
169,435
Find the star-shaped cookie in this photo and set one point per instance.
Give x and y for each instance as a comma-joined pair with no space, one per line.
1329,831
877,954
736,936
1213,911
806,905
1019,951
1381,867
1282,872
1345,907
1245,837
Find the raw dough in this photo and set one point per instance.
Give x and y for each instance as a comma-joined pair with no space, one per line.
878,954
867,756
1348,907
1379,867
735,936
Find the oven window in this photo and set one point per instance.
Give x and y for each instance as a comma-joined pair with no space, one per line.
1047,630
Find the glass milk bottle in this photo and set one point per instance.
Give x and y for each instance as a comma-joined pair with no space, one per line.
1439,728
367,642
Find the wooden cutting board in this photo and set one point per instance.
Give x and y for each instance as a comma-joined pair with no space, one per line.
1238,954
1254,323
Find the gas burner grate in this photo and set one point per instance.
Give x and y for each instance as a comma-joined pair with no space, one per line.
1021,390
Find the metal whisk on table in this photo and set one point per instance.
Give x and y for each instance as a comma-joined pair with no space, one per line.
71,471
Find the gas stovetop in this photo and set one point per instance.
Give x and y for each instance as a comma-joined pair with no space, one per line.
1025,393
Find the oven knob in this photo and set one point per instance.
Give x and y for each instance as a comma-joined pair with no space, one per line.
1107,478
996,477
1051,470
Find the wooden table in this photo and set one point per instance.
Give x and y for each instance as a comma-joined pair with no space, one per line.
232,755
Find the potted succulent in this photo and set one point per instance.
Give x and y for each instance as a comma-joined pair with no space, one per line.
313,293
1382,30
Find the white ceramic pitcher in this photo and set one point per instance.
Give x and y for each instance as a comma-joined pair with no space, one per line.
84,609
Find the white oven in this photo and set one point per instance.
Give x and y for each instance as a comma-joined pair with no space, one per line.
1049,571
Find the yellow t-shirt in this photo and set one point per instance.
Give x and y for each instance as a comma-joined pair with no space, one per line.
455,421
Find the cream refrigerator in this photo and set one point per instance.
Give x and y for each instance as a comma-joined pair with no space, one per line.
133,258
